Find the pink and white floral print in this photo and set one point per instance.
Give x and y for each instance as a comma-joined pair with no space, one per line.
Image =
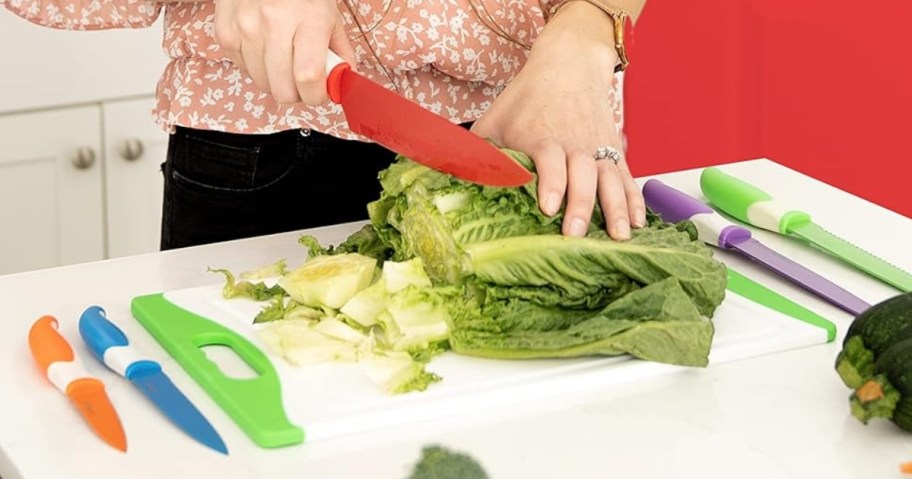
438,53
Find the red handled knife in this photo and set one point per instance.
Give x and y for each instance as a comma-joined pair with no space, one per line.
405,127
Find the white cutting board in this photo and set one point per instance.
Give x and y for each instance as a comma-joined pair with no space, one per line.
334,399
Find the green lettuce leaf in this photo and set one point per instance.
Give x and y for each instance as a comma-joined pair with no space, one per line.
590,273
656,323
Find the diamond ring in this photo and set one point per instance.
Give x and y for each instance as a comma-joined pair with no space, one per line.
607,153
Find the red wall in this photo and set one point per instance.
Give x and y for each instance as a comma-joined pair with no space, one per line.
823,87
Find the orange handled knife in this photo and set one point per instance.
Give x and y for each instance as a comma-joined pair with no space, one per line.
55,357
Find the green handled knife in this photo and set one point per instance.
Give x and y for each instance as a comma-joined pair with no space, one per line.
756,207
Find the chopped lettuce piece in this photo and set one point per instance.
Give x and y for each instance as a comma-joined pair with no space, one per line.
337,329
397,275
397,372
314,248
279,268
300,343
295,310
282,307
424,354
364,306
371,301
416,318
246,289
274,311
366,241
329,281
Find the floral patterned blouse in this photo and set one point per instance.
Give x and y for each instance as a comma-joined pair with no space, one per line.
442,54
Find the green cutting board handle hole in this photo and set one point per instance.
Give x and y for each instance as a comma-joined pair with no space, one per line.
229,362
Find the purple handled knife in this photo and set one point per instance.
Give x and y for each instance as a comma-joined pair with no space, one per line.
674,205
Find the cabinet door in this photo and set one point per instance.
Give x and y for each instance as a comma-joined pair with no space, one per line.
50,189
135,148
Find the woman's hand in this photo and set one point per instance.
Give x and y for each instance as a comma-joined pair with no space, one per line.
557,110
282,44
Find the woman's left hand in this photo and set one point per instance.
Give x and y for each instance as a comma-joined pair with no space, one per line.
558,111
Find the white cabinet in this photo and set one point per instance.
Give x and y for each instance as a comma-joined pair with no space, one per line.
78,97
51,206
79,184
134,149
47,68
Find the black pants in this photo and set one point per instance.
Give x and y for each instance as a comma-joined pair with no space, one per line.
222,186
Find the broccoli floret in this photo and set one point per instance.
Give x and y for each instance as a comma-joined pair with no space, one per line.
438,462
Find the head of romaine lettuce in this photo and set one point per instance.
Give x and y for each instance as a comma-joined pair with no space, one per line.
529,291
499,236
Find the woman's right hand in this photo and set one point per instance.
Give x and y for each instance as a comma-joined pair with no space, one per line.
282,44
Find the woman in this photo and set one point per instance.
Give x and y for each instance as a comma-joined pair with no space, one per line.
256,148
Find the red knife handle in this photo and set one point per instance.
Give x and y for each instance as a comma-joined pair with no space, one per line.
335,66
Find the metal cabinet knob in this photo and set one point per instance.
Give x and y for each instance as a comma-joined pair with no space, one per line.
84,158
131,149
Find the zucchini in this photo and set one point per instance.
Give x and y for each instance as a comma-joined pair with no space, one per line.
888,394
870,334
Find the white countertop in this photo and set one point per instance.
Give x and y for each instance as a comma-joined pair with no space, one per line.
776,416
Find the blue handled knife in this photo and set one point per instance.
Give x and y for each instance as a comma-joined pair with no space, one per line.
110,346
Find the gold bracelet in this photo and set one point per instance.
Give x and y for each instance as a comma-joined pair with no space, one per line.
617,14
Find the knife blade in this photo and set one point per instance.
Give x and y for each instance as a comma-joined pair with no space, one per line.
405,127
760,294
65,371
675,205
756,207
110,346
